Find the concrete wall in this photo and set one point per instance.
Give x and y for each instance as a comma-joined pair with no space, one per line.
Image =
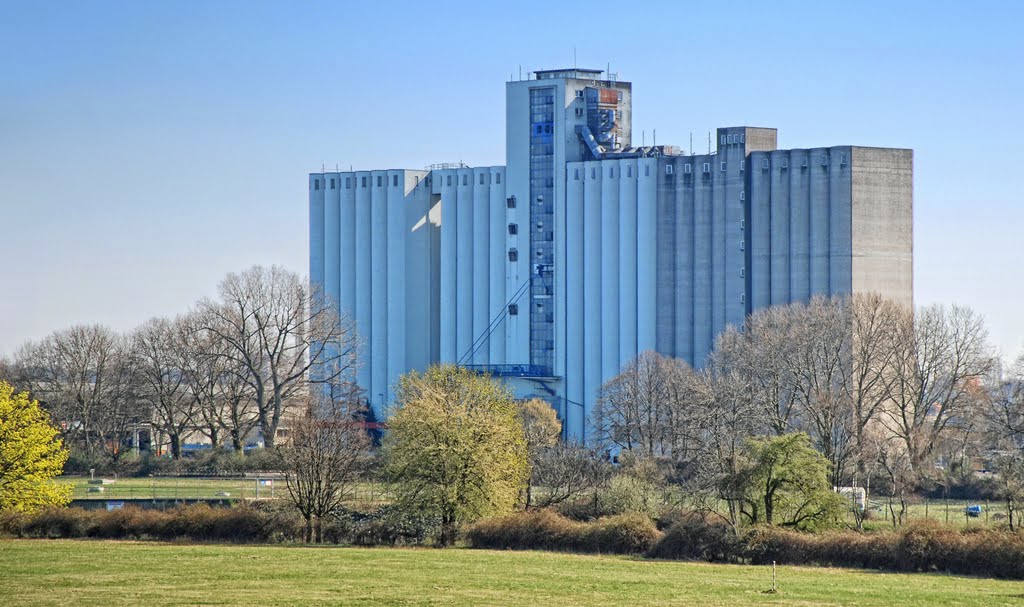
882,222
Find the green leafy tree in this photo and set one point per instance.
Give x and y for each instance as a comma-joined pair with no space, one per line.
31,454
541,429
455,447
785,482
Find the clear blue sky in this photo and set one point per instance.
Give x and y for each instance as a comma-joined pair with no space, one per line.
147,148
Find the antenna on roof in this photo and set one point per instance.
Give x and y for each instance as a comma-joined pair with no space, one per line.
520,71
691,143
654,135
709,142
574,57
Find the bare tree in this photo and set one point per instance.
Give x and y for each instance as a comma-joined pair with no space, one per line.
84,377
647,408
326,454
568,471
276,332
942,356
160,352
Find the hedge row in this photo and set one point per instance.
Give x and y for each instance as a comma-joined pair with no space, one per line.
922,546
195,522
546,530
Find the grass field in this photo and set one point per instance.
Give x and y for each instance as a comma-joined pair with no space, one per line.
177,487
64,572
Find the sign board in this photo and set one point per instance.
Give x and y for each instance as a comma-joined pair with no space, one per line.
267,482
115,505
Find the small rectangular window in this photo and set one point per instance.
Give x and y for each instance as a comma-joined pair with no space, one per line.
332,183
743,298
576,174
465,180
743,165
611,172
449,181
743,245
513,255
579,94
316,184
743,138
513,309
723,167
629,171
743,224
687,169
593,173
668,169
723,139
707,167
579,111
647,171
764,164
364,181
380,181
497,178
510,202
394,180
743,195
513,229
743,272
481,178
348,183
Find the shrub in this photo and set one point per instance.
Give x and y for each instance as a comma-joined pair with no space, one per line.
695,539
631,533
546,530
59,523
391,526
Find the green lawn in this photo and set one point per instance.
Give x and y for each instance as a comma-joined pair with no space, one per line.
65,572
181,487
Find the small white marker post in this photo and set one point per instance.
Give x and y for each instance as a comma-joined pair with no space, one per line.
774,588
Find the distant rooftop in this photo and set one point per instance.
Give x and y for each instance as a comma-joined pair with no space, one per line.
575,72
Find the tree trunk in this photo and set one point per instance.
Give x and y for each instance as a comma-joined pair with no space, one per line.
309,530
175,439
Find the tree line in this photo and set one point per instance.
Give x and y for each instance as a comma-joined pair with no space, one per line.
226,368
899,398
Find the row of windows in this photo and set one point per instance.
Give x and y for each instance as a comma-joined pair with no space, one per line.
394,181
611,172
804,162
734,138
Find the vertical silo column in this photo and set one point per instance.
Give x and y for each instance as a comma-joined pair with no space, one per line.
397,243
840,223
819,218
591,287
379,295
627,260
497,256
609,246
363,299
759,200
779,203
464,266
799,226
419,301
316,229
574,302
347,246
718,245
684,261
702,268
332,239
646,254
481,265
442,183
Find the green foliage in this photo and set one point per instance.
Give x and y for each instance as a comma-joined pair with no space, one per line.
785,481
31,455
455,447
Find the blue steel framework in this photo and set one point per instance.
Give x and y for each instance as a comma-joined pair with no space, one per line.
542,217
